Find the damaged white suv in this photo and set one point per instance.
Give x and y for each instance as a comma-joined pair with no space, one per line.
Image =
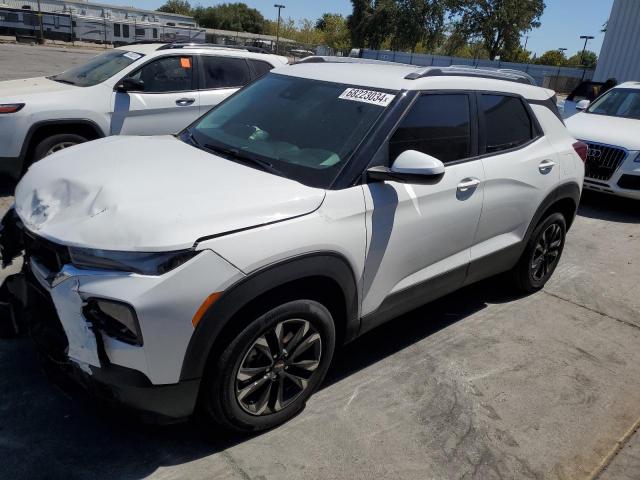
223,266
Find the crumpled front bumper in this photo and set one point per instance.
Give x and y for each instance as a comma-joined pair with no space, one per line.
50,306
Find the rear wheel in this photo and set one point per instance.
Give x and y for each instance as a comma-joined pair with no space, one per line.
269,370
542,254
55,143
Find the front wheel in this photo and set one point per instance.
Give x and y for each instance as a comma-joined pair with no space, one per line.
55,143
269,370
542,254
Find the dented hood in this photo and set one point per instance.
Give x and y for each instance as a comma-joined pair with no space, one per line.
151,194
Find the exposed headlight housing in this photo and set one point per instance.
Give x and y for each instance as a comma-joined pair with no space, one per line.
144,263
11,107
116,319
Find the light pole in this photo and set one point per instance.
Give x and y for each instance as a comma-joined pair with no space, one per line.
279,7
40,22
584,48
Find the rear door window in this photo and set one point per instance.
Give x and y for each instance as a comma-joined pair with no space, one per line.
224,72
506,121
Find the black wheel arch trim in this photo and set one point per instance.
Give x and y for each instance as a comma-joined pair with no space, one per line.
570,190
331,265
26,143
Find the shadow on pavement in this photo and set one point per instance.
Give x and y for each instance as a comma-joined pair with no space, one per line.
46,434
607,207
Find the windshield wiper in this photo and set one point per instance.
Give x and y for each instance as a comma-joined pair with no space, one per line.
239,155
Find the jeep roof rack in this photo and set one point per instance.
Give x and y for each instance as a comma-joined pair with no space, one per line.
334,59
506,74
247,48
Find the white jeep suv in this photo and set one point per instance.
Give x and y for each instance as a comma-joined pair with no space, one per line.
224,265
145,89
611,127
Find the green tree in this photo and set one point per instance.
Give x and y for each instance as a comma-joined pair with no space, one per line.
555,58
589,61
336,32
358,21
181,7
381,23
418,21
231,16
500,23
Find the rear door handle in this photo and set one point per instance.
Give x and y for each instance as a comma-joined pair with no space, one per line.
546,166
468,184
183,102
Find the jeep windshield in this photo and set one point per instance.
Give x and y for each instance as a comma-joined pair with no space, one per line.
619,102
302,129
98,69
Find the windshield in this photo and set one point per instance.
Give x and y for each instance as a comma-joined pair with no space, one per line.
302,129
98,69
619,102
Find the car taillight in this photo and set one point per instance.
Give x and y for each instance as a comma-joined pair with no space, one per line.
581,149
10,107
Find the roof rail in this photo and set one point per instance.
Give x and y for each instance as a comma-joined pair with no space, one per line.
333,59
247,48
506,74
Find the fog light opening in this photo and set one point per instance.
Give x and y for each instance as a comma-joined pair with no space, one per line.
116,319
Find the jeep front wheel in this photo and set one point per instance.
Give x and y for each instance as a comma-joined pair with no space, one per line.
55,143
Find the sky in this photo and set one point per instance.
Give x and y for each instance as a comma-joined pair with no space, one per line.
562,22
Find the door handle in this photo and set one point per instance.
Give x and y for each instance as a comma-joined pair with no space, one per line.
468,184
183,102
546,166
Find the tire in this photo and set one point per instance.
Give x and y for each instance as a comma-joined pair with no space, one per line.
545,247
55,143
237,382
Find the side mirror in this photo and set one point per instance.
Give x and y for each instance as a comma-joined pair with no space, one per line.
583,105
130,85
411,166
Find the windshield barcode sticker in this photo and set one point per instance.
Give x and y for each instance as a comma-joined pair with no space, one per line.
367,96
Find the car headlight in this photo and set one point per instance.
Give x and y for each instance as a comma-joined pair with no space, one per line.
144,263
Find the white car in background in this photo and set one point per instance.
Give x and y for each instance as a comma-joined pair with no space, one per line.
611,127
145,89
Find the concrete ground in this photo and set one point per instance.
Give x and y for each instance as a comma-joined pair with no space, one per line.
476,385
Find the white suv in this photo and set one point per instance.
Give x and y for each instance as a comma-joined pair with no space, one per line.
145,89
611,126
224,265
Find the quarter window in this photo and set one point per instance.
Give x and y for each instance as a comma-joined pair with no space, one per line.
261,68
438,125
507,122
224,72
169,74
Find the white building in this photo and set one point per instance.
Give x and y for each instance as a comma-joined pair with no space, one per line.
620,54
85,8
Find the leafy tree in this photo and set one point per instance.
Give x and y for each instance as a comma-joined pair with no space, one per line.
500,23
231,16
336,32
589,61
418,21
181,7
358,21
381,23
555,58
518,55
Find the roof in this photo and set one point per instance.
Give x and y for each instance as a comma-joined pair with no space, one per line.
392,77
86,3
153,48
634,84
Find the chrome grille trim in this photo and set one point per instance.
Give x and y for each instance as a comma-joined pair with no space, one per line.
603,160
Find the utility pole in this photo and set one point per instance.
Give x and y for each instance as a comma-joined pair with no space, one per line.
584,48
40,22
279,7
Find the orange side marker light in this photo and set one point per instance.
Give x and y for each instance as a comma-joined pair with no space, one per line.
210,300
